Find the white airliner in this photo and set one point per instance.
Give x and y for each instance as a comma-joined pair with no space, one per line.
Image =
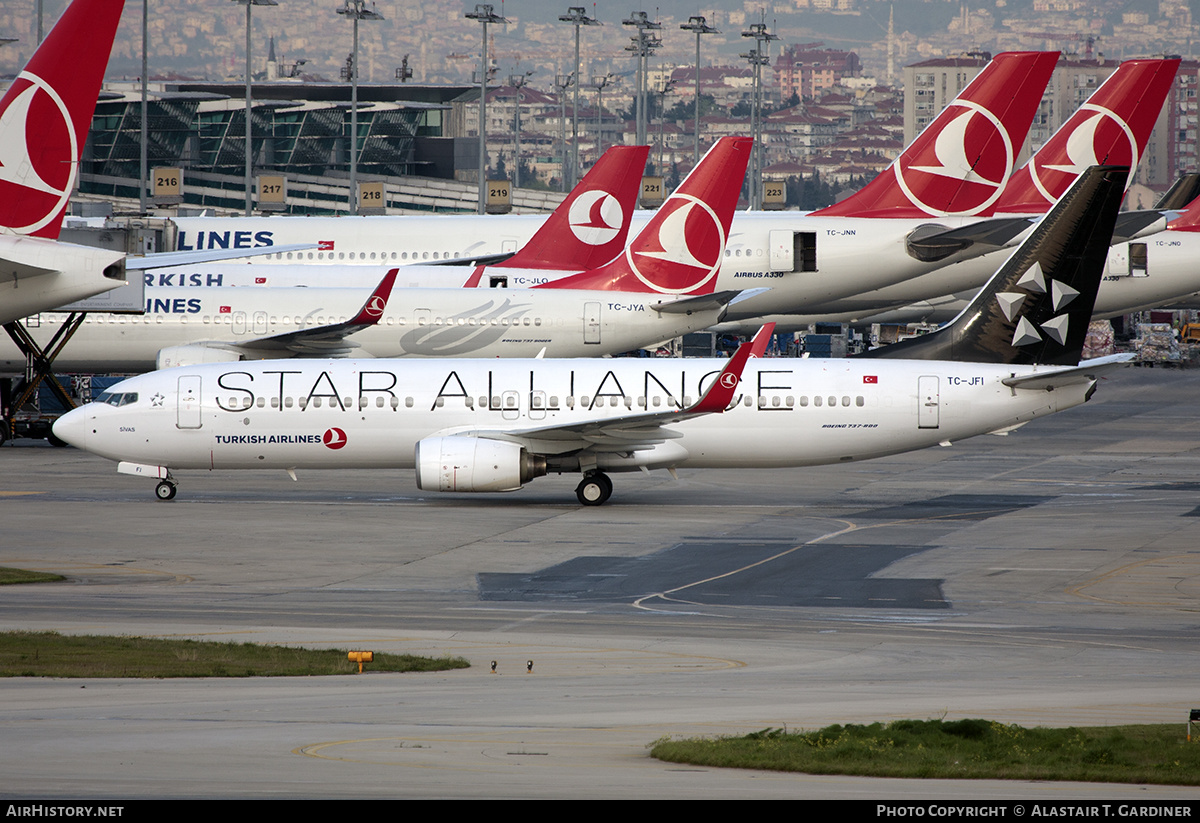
44,121
626,304
864,243
488,425
848,262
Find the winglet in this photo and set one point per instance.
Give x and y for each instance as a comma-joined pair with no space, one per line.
45,116
590,227
758,346
376,304
720,393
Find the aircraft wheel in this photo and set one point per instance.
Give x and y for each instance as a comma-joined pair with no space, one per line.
54,441
165,490
594,490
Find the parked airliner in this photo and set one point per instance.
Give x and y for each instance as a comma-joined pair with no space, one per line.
804,259
487,425
1112,126
44,121
580,316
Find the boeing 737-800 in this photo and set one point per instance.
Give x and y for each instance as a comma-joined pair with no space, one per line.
486,425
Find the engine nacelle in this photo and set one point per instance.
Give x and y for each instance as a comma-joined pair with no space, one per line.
195,354
474,464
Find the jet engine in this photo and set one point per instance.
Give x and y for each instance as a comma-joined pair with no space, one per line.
474,464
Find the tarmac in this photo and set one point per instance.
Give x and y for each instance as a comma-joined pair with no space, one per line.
1047,577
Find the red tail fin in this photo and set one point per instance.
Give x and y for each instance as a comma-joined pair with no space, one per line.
591,226
45,116
1112,127
960,162
680,249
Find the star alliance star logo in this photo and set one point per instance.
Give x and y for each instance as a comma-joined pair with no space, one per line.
1034,282
157,399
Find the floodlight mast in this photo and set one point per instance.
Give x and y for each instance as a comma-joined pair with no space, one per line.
699,25
576,15
249,4
643,46
356,10
485,14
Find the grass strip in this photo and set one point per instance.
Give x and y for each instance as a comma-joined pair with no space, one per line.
967,749
10,576
49,654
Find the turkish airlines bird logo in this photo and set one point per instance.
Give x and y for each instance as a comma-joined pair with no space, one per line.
595,217
375,306
728,381
334,438
961,168
686,251
38,150
1094,136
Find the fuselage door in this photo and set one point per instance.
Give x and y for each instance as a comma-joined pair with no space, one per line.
188,411
260,322
537,405
239,322
591,322
782,250
928,402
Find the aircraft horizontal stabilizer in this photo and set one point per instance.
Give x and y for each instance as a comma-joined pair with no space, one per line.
1083,373
982,237
699,302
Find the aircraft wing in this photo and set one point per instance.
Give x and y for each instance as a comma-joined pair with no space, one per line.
188,258
631,432
1083,373
330,340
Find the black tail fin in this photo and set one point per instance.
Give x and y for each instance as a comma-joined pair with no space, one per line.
1037,307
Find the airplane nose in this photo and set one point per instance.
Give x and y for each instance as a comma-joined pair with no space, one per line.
72,427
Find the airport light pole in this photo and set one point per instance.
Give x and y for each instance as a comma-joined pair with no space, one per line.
249,4
562,82
600,83
643,46
356,10
485,15
699,25
576,15
517,81
758,57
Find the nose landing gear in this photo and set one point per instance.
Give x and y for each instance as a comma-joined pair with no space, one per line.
165,490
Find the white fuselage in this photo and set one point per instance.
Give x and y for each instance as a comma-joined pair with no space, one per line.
223,324
372,414
807,261
1159,270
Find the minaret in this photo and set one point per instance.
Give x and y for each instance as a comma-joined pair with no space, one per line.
272,63
891,46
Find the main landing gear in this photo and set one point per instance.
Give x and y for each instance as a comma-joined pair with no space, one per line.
165,490
594,489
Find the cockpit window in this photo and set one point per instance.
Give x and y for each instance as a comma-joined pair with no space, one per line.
117,398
